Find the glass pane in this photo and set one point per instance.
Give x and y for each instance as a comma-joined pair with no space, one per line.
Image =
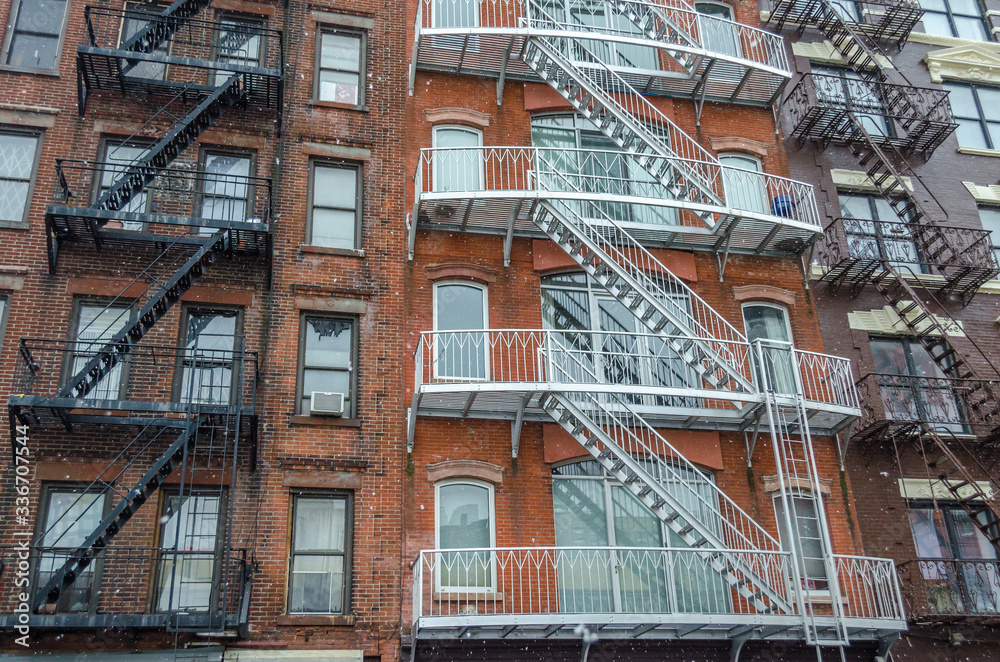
328,342
334,228
43,17
989,97
326,381
970,28
320,524
930,535
460,307
13,197
460,355
191,522
17,156
317,585
70,517
227,175
95,326
937,24
746,187
807,539
134,22
335,187
338,86
340,51
970,543
186,581
454,13
963,103
463,516
970,134
239,41
457,169
212,333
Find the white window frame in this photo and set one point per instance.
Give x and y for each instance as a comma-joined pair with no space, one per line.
768,304
788,330
486,325
800,493
744,196
435,181
490,489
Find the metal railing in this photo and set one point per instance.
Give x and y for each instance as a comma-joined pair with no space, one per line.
229,45
893,241
698,32
177,196
631,359
131,582
951,587
938,402
634,195
196,376
488,584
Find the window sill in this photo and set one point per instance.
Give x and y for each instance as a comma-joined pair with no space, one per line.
979,151
52,73
329,250
14,225
327,421
317,619
319,103
467,597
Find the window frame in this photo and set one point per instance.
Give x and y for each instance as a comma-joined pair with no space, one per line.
800,493
42,524
994,234
199,196
984,124
362,35
300,365
947,508
15,11
73,332
491,501
38,135
949,15
768,304
436,183
236,367
348,497
871,198
147,6
5,296
484,288
359,202
223,16
106,143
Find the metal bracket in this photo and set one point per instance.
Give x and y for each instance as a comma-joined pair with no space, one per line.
699,92
736,647
751,442
503,71
516,424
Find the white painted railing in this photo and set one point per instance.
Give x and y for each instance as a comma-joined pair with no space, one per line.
605,581
615,178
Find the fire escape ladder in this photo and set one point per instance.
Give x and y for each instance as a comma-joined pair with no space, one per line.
156,33
799,483
136,176
611,104
87,553
982,507
702,338
106,358
698,512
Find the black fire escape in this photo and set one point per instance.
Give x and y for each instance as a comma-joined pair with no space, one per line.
186,414
883,120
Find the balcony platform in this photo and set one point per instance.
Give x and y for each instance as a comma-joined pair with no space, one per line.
762,214
887,22
729,62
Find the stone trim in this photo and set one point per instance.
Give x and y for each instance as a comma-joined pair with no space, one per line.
738,144
979,151
765,292
972,62
771,484
337,151
858,180
319,479
989,194
479,469
922,488
886,321
331,304
36,117
460,271
457,116
942,40
346,20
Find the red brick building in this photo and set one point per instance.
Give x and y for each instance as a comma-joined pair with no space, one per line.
202,298
620,415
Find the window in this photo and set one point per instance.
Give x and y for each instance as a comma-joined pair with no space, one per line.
977,111
4,311
593,510
37,30
604,334
327,360
117,155
458,159
208,359
808,538
458,309
94,324
847,89
990,218
340,74
875,231
719,35
335,212
226,188
769,324
187,568
69,514
913,387
320,563
744,184
138,16
238,43
464,520
959,566
954,18
18,164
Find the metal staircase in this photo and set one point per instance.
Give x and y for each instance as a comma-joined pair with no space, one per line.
655,21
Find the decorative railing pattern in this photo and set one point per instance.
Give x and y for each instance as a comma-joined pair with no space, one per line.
951,587
938,402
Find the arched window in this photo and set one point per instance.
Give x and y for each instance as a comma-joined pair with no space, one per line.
718,33
464,519
768,323
460,309
593,509
744,182
458,159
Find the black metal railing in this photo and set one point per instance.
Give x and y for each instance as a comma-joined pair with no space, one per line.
888,22
176,196
950,587
853,239
204,377
132,587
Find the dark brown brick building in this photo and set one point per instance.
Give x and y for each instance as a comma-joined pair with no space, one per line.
900,144
201,285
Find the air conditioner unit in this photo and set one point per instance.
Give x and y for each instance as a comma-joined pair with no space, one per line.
322,403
